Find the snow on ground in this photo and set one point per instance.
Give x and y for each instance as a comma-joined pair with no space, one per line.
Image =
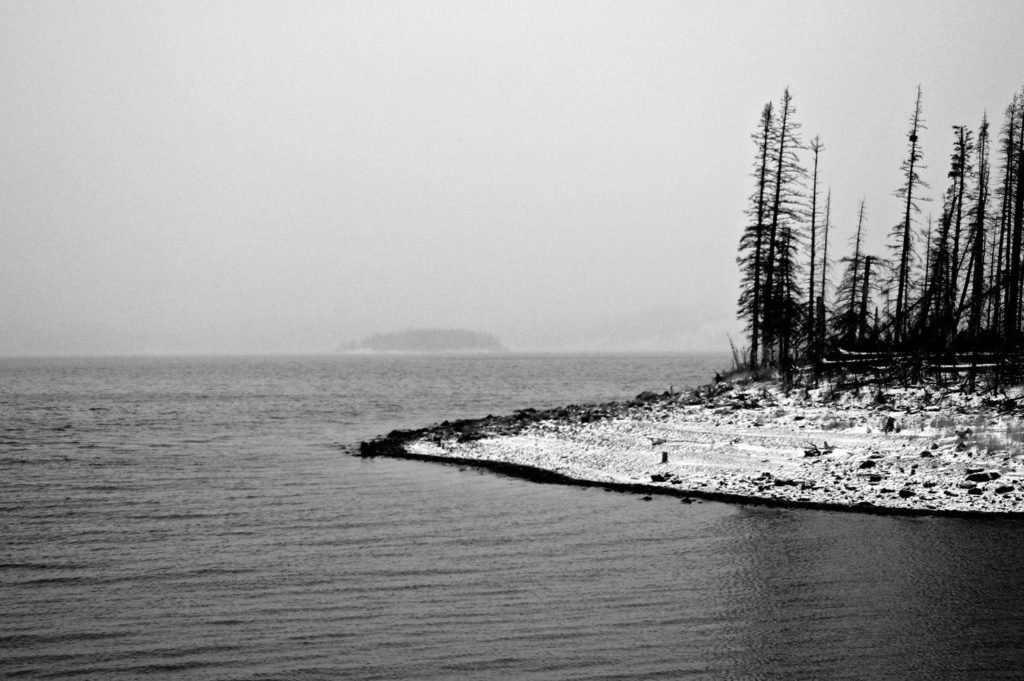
913,449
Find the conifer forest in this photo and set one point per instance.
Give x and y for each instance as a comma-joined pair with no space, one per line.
945,296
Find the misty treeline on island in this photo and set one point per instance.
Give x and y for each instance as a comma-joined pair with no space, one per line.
950,281
429,341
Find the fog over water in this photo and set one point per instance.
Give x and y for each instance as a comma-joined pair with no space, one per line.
261,177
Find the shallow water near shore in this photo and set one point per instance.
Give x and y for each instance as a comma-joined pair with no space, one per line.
202,518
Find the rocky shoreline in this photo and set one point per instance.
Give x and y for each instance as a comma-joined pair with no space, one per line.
922,450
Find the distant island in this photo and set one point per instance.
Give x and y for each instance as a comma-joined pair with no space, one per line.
430,341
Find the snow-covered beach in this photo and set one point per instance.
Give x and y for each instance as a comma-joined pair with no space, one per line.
896,450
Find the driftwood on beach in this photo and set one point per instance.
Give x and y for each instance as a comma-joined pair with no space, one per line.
993,369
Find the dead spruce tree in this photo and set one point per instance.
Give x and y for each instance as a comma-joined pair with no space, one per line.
821,309
903,231
811,333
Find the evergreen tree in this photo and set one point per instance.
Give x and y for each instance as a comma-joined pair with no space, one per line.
1005,193
977,237
752,257
959,170
782,290
1013,298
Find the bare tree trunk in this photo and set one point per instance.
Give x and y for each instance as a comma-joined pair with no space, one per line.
904,268
824,271
812,343
851,330
862,321
755,322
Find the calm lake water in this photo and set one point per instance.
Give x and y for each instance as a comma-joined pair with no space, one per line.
204,519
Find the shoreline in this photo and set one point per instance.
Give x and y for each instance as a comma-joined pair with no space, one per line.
894,451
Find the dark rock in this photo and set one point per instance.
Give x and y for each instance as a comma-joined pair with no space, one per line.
648,498
886,490
867,464
658,477
1004,489
975,490
983,477
930,483
906,493
889,425
782,482
469,433
927,455
875,478
647,396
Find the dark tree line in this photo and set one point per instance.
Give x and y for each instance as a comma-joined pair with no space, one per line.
952,285
770,290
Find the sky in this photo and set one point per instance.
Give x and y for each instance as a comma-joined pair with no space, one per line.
289,177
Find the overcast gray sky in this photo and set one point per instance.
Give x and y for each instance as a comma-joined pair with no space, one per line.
210,177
